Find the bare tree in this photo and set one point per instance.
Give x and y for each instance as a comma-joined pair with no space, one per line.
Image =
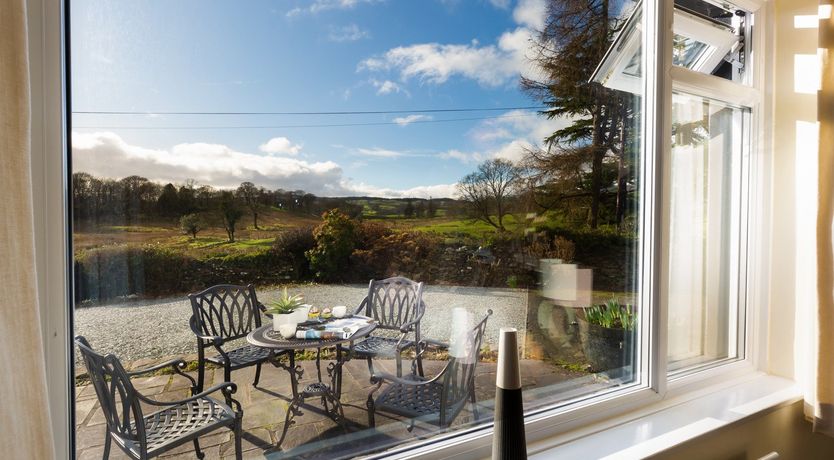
230,213
488,191
251,197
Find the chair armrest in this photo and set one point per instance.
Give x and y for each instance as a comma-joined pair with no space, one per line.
380,377
214,339
227,388
362,306
261,307
407,326
177,364
435,343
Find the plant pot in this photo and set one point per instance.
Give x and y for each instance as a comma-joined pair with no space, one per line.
608,350
283,318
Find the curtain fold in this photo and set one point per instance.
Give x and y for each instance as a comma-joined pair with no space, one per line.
824,411
25,428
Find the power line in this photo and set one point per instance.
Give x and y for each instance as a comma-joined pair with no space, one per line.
348,112
329,125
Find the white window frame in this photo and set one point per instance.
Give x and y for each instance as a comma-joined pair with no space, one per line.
50,185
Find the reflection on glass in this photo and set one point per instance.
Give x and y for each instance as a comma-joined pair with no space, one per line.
686,52
708,139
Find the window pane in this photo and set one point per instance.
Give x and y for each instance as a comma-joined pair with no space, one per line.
317,148
710,39
708,141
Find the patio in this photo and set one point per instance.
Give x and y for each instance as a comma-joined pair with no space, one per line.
309,437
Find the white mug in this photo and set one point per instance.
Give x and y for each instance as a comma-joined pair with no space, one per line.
339,311
287,331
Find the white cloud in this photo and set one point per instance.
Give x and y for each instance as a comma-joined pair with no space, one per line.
387,87
379,153
427,191
435,63
508,137
280,145
323,5
503,4
530,13
105,154
407,120
490,65
349,33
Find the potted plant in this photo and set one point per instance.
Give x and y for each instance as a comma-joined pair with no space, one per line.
283,309
606,332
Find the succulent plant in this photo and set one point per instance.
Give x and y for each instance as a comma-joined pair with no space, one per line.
285,304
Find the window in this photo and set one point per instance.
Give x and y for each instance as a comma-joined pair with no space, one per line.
315,148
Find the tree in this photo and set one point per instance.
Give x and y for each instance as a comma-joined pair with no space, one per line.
488,190
575,38
191,224
408,211
168,203
230,213
250,195
335,241
431,209
420,210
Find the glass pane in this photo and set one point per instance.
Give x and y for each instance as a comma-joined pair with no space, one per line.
708,142
310,148
710,39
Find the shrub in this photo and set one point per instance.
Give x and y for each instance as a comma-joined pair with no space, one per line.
612,315
412,254
335,241
191,224
291,247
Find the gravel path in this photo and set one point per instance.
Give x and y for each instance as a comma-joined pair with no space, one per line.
158,328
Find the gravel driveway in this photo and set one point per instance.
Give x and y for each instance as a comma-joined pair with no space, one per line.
159,328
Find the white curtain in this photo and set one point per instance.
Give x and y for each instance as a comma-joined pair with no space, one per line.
824,404
25,429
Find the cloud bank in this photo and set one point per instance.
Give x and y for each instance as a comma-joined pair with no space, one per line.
106,154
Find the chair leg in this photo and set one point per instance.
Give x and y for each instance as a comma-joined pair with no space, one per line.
257,375
474,405
238,449
106,444
201,371
420,366
371,365
399,366
200,453
370,404
227,372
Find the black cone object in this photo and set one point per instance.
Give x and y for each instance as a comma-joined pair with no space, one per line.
508,440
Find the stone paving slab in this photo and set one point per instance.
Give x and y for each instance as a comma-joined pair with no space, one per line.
312,434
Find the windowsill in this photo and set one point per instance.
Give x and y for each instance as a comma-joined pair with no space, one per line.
668,423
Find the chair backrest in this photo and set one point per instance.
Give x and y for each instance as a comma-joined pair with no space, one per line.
459,375
116,395
393,302
226,310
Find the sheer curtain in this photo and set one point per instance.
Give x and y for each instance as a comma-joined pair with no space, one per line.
25,429
824,410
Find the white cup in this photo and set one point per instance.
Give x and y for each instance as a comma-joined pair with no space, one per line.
339,311
287,331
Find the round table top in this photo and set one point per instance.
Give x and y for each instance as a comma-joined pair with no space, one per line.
265,337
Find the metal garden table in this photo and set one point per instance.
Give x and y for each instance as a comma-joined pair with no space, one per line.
329,393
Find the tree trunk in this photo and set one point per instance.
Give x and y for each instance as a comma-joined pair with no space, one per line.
255,214
596,169
622,174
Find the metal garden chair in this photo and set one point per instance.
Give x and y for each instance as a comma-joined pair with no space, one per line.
438,400
221,314
396,304
143,436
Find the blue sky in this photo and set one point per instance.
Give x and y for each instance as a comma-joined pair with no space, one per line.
321,55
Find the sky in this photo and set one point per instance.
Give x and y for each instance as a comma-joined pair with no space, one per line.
159,56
